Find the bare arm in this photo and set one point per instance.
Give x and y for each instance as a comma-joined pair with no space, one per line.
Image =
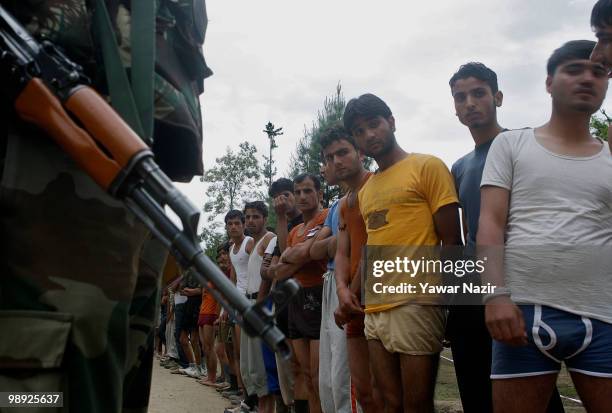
504,319
342,262
318,249
250,245
232,273
265,265
446,221
264,286
280,270
348,303
190,292
264,289
298,254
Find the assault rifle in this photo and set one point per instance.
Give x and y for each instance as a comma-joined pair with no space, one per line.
50,91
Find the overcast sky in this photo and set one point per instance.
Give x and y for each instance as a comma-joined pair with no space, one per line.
277,60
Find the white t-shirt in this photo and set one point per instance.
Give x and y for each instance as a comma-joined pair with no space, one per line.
559,227
271,246
240,261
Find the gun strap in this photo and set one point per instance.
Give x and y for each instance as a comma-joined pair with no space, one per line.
133,102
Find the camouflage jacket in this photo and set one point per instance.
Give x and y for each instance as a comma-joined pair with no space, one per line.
180,68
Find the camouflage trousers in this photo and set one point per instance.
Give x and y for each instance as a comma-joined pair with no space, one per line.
79,284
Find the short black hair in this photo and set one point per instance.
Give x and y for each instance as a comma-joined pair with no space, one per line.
601,15
223,247
365,106
257,205
280,185
334,133
572,50
234,213
302,177
478,71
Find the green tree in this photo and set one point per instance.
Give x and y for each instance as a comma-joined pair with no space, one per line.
235,178
307,154
210,239
599,125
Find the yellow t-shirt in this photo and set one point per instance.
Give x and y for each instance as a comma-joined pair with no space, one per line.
398,205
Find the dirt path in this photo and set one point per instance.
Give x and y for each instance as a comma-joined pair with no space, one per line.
178,393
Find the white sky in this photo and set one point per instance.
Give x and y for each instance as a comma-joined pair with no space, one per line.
277,60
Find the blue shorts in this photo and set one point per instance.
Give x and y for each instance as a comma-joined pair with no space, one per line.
584,344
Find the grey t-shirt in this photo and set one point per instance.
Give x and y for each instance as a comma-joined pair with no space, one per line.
467,172
559,228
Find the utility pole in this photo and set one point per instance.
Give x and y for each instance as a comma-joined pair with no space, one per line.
272,133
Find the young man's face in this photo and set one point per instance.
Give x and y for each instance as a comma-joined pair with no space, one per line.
254,220
603,50
345,159
223,260
579,85
475,103
328,172
234,227
374,136
306,196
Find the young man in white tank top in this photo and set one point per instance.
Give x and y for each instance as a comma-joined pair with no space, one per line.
240,248
252,366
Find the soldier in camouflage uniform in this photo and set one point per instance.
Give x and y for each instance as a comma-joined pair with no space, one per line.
79,275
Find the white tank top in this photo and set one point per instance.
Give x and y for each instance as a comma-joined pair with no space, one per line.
240,261
254,278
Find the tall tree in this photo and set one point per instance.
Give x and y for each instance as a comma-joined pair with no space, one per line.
307,155
269,170
235,178
599,125
210,238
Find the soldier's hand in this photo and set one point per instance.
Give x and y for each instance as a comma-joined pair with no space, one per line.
505,321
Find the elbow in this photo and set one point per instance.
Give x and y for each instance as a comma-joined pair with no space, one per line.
312,252
316,253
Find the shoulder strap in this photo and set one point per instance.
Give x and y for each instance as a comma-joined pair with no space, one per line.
133,102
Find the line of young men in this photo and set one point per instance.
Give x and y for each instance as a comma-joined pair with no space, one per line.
254,361
538,188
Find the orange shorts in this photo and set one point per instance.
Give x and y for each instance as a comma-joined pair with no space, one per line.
206,319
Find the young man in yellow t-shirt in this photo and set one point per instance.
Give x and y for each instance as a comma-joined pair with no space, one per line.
409,201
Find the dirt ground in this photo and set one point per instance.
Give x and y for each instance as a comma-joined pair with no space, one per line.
178,393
